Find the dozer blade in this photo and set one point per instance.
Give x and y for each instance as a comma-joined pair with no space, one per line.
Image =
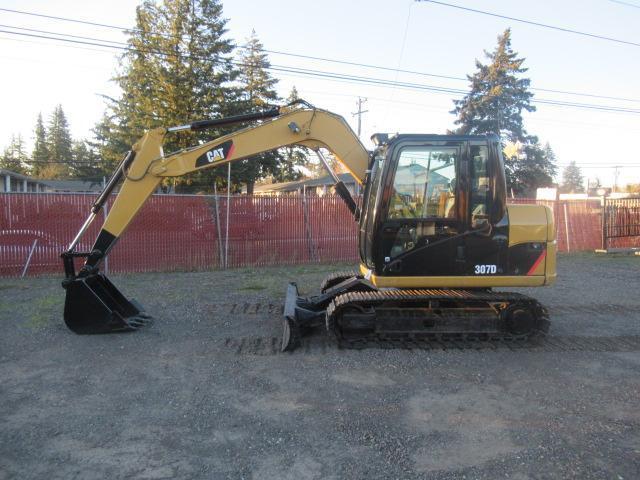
291,329
94,305
300,317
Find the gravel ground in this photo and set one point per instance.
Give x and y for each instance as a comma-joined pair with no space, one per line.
203,392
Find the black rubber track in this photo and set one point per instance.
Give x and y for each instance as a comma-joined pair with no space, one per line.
336,278
456,339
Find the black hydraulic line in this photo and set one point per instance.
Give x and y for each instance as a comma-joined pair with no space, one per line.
218,122
343,192
113,181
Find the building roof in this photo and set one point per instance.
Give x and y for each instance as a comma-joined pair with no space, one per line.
73,185
19,176
346,178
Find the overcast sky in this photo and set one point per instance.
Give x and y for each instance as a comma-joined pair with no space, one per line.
37,74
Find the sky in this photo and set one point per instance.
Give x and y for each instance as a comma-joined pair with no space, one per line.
424,37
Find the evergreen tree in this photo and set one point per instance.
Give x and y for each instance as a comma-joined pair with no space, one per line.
14,157
40,153
178,69
85,163
258,91
59,145
572,180
293,157
497,96
534,167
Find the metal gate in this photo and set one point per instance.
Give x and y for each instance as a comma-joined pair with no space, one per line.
620,218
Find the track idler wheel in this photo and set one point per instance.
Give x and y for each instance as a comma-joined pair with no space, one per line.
520,320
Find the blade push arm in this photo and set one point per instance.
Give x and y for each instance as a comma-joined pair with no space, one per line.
311,128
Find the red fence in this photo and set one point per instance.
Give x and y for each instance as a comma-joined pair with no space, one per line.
179,232
185,232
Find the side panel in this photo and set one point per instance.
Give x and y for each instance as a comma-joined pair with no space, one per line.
453,281
527,223
532,247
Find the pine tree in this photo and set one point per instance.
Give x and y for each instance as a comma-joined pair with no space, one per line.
533,168
178,69
498,95
293,158
59,145
14,157
85,163
258,91
40,153
572,180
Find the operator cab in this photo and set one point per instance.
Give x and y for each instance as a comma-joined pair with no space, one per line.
435,205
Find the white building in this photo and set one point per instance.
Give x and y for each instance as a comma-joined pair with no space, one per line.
16,182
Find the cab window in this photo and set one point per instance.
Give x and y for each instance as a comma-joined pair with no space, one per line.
480,188
425,183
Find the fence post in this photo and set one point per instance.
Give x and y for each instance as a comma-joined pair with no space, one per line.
307,229
604,222
218,231
566,227
226,240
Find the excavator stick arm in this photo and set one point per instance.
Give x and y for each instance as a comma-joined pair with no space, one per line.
93,304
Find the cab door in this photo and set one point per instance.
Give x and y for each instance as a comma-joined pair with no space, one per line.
485,248
423,209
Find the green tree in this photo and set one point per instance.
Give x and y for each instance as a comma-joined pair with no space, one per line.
497,98
40,152
498,95
258,90
534,167
14,157
293,157
59,145
572,179
85,163
178,69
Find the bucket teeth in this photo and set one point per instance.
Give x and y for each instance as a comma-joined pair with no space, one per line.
139,321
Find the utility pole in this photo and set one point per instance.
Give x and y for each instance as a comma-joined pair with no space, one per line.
616,174
361,101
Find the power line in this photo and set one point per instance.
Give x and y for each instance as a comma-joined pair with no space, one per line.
62,34
330,75
625,3
536,24
64,19
404,41
445,77
424,106
297,55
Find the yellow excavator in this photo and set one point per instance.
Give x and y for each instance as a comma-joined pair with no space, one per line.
435,234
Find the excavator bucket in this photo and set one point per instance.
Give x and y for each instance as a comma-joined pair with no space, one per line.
94,305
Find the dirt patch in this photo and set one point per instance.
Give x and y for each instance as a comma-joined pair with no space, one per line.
205,393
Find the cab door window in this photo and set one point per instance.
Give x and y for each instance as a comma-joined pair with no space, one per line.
480,186
424,184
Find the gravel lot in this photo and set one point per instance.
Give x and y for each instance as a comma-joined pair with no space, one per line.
203,393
